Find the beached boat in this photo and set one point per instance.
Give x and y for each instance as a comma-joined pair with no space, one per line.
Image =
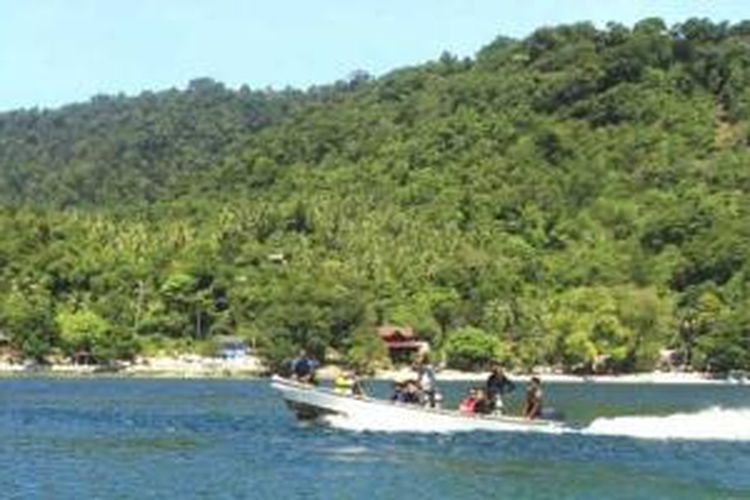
315,403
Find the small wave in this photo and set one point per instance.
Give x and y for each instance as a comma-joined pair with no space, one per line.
711,424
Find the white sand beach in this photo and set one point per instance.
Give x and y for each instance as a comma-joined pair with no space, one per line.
179,366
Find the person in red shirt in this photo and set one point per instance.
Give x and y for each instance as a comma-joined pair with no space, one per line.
469,402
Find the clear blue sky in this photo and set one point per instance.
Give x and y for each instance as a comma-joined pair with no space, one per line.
54,52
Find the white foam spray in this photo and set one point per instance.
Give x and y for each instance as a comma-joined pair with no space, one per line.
710,424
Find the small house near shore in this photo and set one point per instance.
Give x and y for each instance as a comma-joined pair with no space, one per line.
229,347
402,342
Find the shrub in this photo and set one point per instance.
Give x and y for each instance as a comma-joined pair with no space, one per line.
471,348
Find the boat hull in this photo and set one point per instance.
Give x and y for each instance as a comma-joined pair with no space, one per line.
309,402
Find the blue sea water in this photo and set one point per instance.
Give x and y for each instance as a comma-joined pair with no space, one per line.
214,439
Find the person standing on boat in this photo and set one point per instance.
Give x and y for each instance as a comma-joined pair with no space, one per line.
426,380
533,408
303,367
498,385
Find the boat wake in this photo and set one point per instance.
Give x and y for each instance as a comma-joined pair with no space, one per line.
711,424
718,424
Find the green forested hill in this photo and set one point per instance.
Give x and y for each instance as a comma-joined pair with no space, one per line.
576,198
118,149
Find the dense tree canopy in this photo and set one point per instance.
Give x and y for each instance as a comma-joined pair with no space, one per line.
578,198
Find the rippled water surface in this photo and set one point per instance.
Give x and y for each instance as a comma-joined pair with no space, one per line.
122,438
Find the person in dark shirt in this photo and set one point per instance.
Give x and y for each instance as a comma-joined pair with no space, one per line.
534,395
303,367
498,385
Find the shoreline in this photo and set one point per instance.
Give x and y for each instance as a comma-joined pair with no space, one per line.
197,367
184,366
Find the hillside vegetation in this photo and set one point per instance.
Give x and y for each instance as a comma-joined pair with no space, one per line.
579,198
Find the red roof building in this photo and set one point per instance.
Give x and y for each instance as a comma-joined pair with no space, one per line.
402,342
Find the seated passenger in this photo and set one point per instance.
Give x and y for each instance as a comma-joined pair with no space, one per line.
482,405
358,389
398,392
467,405
348,383
344,383
411,393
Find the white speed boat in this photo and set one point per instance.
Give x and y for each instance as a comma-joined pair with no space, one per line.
315,403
